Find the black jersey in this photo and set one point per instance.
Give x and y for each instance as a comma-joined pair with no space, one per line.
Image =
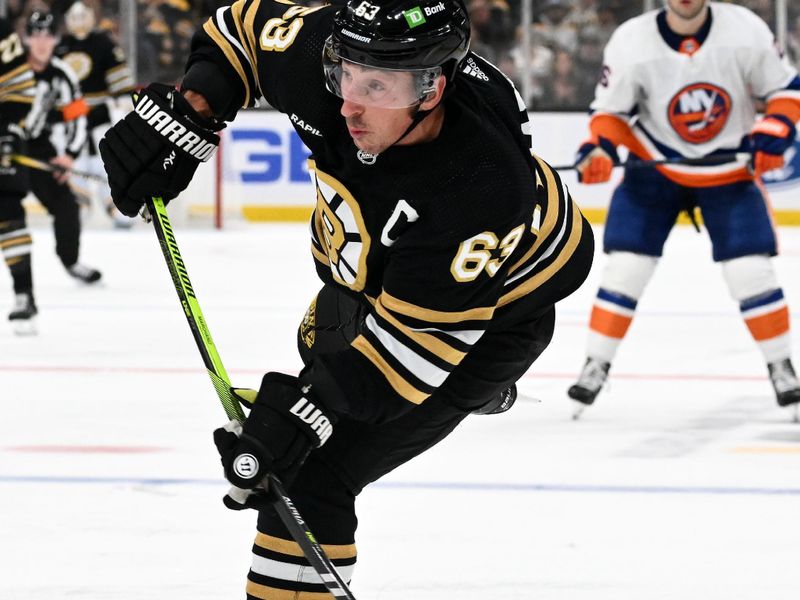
99,64
17,85
64,103
101,69
443,240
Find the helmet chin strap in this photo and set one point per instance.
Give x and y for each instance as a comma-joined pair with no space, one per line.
419,115
416,119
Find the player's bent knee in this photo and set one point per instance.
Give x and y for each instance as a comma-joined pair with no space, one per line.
749,276
628,273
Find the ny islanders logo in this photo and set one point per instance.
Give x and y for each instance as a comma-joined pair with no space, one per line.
699,111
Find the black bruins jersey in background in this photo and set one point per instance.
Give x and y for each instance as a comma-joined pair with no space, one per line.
17,84
101,69
443,240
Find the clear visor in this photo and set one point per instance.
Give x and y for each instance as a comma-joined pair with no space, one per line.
373,86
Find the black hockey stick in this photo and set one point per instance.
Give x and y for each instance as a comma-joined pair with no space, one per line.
219,378
705,161
33,163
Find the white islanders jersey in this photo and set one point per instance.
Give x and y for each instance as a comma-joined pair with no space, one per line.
693,98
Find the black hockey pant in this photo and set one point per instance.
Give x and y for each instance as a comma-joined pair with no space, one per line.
359,453
60,202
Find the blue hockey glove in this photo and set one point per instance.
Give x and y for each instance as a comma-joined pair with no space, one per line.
769,139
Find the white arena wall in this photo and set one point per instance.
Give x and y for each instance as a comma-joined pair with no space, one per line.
265,177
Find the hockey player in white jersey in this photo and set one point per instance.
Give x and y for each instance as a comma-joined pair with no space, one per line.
682,82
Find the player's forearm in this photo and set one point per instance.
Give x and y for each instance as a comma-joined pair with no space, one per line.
214,90
199,103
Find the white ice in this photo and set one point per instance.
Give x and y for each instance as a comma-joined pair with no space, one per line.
682,482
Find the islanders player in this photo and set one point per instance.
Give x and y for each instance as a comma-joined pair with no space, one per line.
682,82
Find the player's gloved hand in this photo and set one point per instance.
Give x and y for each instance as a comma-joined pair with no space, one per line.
285,423
155,150
769,139
595,160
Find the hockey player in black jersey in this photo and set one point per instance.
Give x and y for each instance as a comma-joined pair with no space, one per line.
106,83
442,243
64,104
17,95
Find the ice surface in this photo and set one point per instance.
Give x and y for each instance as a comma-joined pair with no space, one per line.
682,482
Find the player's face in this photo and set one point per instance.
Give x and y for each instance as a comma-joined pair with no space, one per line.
686,9
371,98
41,45
374,129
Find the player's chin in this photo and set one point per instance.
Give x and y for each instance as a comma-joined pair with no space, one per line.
367,145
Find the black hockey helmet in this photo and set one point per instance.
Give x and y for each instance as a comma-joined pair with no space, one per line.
427,37
41,20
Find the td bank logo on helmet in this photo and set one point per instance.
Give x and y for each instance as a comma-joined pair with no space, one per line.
416,16
699,111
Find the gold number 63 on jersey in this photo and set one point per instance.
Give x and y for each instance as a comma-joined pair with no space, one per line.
484,252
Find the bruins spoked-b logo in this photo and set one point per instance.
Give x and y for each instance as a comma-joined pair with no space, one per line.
340,229
80,62
699,111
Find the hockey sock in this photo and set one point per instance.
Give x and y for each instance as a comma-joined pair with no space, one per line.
15,242
611,316
752,283
767,318
624,279
280,570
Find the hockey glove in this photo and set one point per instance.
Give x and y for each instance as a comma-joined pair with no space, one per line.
595,160
285,423
155,150
769,139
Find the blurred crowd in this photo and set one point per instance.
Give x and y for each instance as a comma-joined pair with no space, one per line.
567,38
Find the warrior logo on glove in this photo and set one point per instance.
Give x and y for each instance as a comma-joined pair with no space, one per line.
310,414
159,120
246,466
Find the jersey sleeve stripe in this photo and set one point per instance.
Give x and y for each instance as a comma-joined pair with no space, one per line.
552,211
117,72
559,203
553,268
214,33
435,316
431,343
786,106
17,87
21,70
18,98
398,383
246,33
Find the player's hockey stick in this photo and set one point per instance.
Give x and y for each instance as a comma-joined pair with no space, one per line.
706,161
33,163
219,378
